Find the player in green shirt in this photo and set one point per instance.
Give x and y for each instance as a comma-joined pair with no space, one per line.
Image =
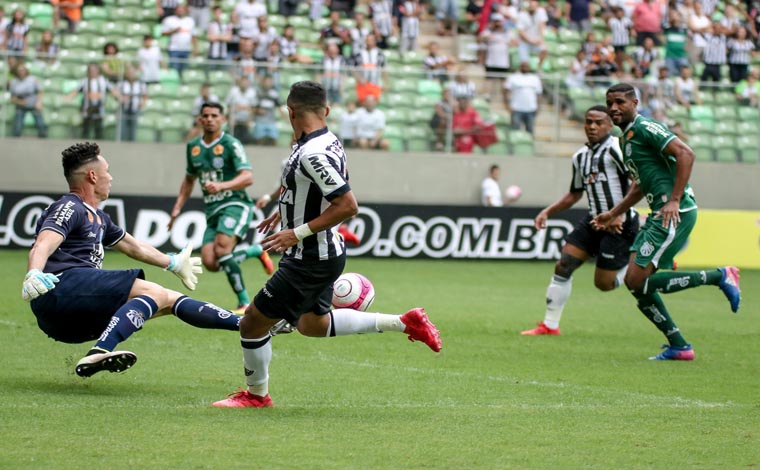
219,161
660,165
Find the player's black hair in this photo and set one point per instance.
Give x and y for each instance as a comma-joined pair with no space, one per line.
597,107
78,155
307,96
212,104
493,167
624,88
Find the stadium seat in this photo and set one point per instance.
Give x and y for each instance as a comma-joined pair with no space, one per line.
37,10
699,127
420,116
395,100
418,138
480,105
521,143
429,87
93,12
748,114
725,128
724,113
702,147
425,102
395,116
678,113
724,148
499,148
703,113
748,147
193,77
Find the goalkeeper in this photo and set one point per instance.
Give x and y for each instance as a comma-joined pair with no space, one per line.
75,300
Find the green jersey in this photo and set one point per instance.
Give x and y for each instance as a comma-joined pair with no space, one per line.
642,143
221,160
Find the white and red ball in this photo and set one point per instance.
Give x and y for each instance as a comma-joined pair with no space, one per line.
512,194
354,291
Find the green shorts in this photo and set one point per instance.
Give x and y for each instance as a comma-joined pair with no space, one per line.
233,220
659,245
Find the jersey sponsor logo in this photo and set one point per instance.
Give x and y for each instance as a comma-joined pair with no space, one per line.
286,197
266,292
608,255
210,198
322,171
111,325
248,372
195,151
217,162
136,318
657,316
220,312
678,281
592,178
646,249
656,128
63,213
218,149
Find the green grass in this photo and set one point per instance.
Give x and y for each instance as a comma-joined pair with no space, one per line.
491,399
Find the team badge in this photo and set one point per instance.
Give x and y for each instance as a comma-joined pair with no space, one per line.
628,150
630,134
646,249
218,149
218,162
89,217
196,150
229,222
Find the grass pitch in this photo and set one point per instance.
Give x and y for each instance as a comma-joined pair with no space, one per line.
491,399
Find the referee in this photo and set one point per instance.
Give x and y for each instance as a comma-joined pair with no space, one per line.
598,171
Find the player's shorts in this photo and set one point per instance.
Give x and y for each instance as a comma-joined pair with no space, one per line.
611,250
659,245
83,302
297,288
233,220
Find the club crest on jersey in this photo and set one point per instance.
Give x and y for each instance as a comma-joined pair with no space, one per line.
628,150
90,217
629,135
218,162
195,151
646,249
218,149
229,222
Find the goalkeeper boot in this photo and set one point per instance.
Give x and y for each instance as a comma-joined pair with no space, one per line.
730,286
541,329
675,353
419,328
244,399
112,361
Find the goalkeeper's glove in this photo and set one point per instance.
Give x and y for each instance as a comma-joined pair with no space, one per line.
185,267
37,283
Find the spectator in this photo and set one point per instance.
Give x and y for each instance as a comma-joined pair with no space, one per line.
134,95
578,15
265,37
686,89
26,94
371,61
343,6
739,50
490,192
410,25
359,34
523,89
247,13
601,67
621,27
290,7
370,125
219,34
530,29
315,9
273,63
748,90
196,129
112,65
472,13
436,64
446,13
199,12
589,45
241,102
16,39
165,9
462,86
382,21
69,10
47,50
265,131
348,125
465,123
576,75
497,40
334,33
661,92
182,40
699,24
441,120
150,60
643,58
93,90
245,64
676,35
553,15
714,53
647,21
332,70
731,22
4,22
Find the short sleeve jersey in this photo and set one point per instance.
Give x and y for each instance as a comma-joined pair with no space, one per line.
221,160
85,230
643,142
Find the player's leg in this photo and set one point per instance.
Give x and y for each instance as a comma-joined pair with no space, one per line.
613,257
235,222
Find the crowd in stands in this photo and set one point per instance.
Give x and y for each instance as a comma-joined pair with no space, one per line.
674,51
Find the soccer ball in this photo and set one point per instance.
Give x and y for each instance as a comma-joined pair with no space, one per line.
512,194
354,291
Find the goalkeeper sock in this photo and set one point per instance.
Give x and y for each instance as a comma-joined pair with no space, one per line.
345,321
205,315
257,354
235,278
668,282
128,319
652,307
556,296
253,251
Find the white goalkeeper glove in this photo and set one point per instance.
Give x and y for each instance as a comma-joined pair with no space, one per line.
37,283
185,266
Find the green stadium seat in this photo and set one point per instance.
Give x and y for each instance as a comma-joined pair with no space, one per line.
37,10
412,58
76,41
395,100
403,85
429,87
420,116
480,105
425,102
703,113
748,114
93,12
499,148
301,22
418,138
699,127
395,116
561,64
41,23
193,77
724,113
724,148
725,128
724,98
678,112
746,128
701,144
169,77
748,147
521,143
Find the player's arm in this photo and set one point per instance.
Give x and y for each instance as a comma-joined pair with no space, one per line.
181,264
265,199
185,189
37,283
565,202
242,180
684,157
604,220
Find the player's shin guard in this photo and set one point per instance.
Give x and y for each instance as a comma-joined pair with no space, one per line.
257,354
345,321
556,296
670,281
653,308
128,319
235,278
204,314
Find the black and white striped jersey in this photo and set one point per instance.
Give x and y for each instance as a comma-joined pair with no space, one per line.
600,172
315,174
